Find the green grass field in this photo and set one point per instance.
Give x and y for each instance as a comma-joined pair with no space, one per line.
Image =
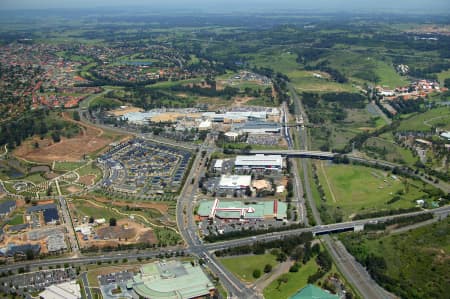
304,81
439,117
16,220
417,261
275,59
262,102
388,75
341,132
101,101
167,237
90,169
352,189
295,282
84,208
442,76
167,84
361,68
35,178
67,166
388,150
243,266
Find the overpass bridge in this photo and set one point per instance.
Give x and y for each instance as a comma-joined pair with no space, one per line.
296,153
318,231
356,225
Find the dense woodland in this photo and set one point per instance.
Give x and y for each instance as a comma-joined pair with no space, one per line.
38,122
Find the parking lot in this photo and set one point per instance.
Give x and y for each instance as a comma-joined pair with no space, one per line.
116,277
143,168
221,226
114,285
36,281
264,139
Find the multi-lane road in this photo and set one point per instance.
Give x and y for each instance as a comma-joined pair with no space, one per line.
439,213
188,229
352,270
201,248
299,199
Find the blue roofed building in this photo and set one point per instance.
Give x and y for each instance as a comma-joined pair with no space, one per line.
7,207
40,208
51,216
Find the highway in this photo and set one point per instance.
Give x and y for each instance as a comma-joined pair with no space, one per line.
298,200
86,259
439,213
200,249
296,153
353,271
347,265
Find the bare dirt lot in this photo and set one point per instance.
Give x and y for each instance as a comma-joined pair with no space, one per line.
73,189
172,116
89,140
147,237
117,232
88,180
125,232
238,101
123,111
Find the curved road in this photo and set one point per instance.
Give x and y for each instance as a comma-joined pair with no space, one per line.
352,270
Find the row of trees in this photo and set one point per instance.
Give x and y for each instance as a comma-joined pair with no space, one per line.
399,222
211,91
287,246
250,232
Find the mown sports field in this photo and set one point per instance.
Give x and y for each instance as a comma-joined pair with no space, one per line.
354,189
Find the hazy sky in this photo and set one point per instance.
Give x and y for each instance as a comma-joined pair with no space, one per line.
407,6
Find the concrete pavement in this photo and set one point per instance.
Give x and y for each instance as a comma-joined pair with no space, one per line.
188,228
87,289
351,269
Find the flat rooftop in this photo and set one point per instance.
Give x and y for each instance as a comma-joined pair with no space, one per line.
65,290
172,279
39,208
259,160
238,209
235,181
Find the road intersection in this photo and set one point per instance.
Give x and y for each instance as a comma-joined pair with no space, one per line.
347,265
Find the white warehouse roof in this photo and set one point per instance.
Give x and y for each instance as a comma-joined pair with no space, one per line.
446,135
65,290
235,181
218,164
259,160
204,125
